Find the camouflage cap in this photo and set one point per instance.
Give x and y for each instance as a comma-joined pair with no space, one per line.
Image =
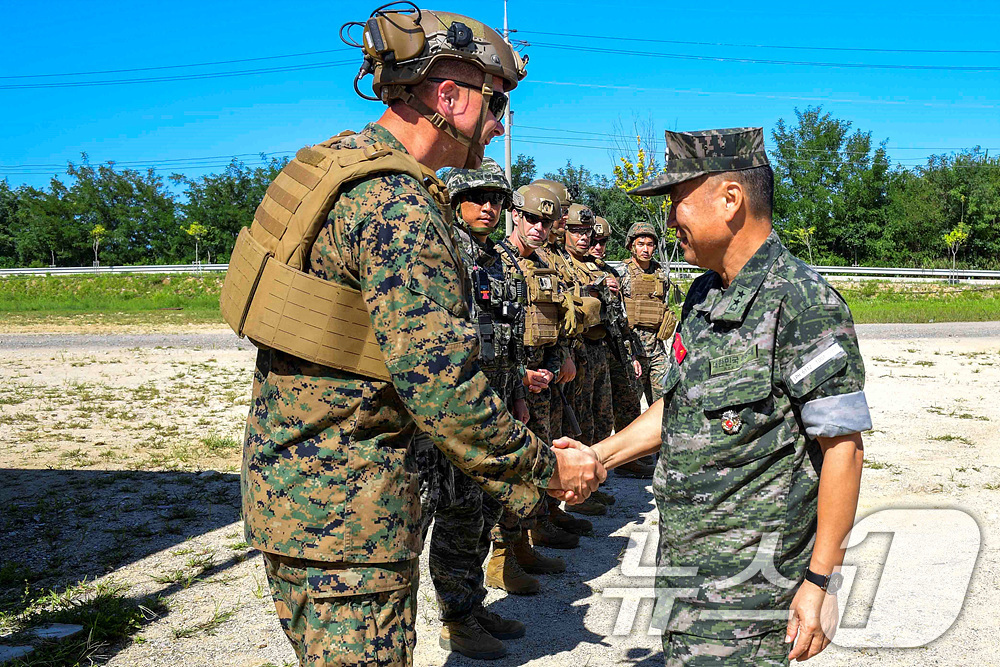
489,176
641,228
602,228
693,154
579,215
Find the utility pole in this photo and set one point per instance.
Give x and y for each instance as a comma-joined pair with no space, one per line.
509,225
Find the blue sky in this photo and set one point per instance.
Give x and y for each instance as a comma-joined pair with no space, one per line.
572,98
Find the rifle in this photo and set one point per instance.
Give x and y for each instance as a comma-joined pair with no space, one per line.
618,327
570,413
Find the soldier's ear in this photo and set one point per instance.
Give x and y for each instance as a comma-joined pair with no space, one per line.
733,198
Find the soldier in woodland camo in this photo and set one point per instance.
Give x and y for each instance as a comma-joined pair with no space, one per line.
759,427
329,480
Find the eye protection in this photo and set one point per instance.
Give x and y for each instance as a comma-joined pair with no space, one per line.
496,199
498,101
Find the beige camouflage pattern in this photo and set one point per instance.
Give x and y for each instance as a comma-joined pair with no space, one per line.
652,352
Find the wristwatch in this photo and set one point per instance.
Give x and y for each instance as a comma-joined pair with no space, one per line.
830,584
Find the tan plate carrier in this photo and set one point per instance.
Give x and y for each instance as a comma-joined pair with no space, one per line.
267,296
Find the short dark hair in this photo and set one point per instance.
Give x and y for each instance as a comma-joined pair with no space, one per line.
758,184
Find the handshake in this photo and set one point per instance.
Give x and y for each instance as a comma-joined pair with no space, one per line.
578,471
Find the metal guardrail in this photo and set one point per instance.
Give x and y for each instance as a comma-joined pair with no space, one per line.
681,268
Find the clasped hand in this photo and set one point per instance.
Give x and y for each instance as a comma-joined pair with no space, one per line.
578,471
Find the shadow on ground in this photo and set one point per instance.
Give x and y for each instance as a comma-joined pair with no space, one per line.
62,529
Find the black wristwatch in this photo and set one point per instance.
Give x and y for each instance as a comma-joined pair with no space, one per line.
830,584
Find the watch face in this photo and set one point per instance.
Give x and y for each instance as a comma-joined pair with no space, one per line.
836,581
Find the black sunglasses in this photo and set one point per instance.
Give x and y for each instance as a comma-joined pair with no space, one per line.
603,241
498,101
535,219
497,199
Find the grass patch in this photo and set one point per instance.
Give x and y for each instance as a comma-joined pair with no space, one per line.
948,437
108,616
221,446
885,302
208,626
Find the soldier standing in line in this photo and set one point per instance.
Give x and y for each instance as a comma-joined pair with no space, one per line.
625,393
560,420
514,558
759,428
350,283
463,515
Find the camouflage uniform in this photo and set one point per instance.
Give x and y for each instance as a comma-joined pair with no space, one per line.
758,371
463,515
329,481
592,393
624,393
652,354
559,259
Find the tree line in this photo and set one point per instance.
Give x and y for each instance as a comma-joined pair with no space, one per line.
839,200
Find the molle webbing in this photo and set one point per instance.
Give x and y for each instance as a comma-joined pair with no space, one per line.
267,296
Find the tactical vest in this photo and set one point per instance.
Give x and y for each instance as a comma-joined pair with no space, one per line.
646,306
541,316
496,306
588,272
270,299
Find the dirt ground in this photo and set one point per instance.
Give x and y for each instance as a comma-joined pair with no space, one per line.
121,464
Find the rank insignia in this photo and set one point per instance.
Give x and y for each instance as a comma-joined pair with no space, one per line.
731,422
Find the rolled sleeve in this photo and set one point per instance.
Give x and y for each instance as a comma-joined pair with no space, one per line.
821,368
832,416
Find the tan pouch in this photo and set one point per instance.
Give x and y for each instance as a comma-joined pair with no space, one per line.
591,307
541,324
644,313
667,326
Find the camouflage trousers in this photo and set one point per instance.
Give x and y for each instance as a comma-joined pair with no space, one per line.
546,418
682,650
624,395
464,518
591,394
654,365
328,625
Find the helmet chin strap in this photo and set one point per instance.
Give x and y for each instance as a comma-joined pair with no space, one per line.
528,243
474,145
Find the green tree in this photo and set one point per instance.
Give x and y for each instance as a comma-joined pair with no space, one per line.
197,231
522,171
954,240
225,203
8,225
97,234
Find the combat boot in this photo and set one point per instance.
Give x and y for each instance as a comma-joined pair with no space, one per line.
468,637
570,524
534,562
603,497
640,469
497,625
590,507
546,534
504,572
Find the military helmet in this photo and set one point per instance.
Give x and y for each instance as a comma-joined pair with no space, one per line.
401,46
638,229
536,200
579,215
602,228
557,188
489,176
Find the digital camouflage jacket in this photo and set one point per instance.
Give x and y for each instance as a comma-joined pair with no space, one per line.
758,371
327,472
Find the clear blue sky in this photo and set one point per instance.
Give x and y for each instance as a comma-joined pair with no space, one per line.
573,95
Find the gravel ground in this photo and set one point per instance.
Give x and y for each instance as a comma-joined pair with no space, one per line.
172,529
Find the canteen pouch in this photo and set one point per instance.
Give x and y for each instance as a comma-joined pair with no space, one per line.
667,326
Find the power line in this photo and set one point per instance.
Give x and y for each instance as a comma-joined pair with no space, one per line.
762,46
183,77
762,61
162,67
799,98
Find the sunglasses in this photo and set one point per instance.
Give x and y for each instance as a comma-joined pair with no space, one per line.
496,199
498,101
603,241
580,231
533,219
